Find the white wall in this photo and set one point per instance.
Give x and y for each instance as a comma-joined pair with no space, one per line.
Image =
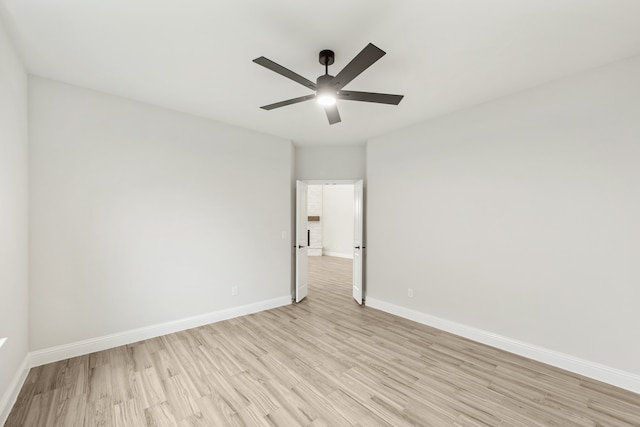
13,222
337,220
520,217
346,162
141,215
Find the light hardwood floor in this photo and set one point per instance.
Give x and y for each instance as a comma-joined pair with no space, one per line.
323,362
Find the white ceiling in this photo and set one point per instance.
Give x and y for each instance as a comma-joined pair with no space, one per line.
196,56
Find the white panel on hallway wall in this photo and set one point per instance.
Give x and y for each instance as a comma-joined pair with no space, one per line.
141,215
525,213
314,208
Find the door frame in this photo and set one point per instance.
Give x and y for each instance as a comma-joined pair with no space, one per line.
364,226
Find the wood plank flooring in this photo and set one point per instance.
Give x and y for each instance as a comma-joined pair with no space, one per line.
323,362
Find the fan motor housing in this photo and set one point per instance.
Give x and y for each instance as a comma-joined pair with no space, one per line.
324,80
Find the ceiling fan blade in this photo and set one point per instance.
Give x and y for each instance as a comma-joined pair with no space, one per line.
361,62
267,63
381,98
288,102
332,114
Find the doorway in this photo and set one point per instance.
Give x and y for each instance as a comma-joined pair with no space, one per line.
329,251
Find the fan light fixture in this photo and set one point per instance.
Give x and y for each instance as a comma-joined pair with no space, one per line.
326,97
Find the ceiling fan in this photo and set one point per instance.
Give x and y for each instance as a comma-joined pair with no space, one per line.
328,88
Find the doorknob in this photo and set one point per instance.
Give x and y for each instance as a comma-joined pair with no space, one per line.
357,247
300,246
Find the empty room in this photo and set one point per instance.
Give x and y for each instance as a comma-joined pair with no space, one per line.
375,213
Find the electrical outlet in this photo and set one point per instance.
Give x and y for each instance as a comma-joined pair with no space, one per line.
410,292
234,291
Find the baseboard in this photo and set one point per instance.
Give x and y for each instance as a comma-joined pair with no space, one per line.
616,377
337,254
11,394
79,348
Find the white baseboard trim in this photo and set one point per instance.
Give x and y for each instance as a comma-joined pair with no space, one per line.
569,363
337,254
11,394
79,348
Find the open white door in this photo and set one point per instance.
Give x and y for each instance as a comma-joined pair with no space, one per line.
358,247
302,260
